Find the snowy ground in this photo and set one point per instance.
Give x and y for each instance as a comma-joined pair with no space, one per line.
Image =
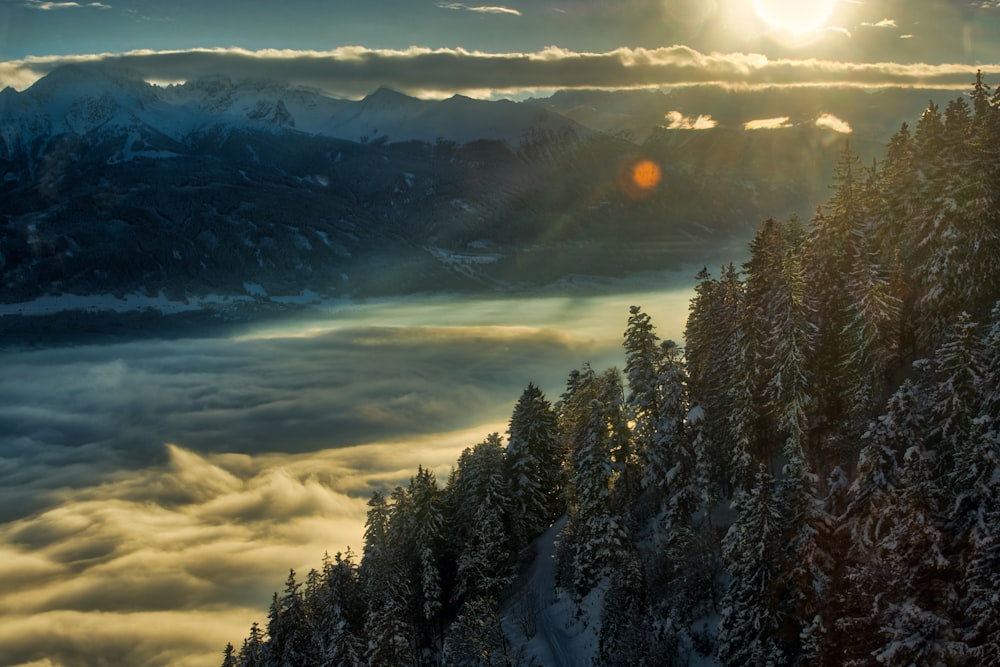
559,634
547,628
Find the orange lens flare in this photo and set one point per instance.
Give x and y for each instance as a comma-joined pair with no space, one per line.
639,178
646,175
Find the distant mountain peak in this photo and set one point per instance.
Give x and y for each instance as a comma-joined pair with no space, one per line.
387,91
92,74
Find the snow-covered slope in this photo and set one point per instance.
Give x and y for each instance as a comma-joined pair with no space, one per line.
255,102
391,116
84,100
546,621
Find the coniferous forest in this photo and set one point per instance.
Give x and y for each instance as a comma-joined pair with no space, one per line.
811,480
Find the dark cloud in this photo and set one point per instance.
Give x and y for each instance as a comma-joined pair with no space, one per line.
300,394
355,71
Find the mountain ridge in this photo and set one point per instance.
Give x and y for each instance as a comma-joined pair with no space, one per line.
124,187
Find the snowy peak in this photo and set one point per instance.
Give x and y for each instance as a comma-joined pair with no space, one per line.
257,101
77,100
81,100
72,80
388,115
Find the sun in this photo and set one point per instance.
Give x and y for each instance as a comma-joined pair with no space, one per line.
796,16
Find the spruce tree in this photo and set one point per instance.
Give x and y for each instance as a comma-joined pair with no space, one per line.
534,463
229,656
720,381
481,501
390,636
594,423
829,253
288,633
982,599
749,631
336,612
643,402
868,520
252,653
913,610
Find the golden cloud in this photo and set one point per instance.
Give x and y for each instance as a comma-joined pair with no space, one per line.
831,122
767,123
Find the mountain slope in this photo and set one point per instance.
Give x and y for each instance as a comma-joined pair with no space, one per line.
109,185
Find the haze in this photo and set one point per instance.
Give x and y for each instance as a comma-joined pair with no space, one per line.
154,493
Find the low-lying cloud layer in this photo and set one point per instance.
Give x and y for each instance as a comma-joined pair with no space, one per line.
354,71
154,493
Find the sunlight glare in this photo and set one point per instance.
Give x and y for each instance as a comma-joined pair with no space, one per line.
795,16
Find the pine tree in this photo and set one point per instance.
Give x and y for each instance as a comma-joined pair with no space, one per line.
534,462
912,610
763,271
782,335
804,584
957,369
626,636
989,387
480,499
390,636
749,631
657,406
421,525
477,638
982,597
868,520
252,653
592,413
975,514
956,239
899,205
873,326
288,639
336,610
643,402
829,253
670,460
789,342
717,357
229,656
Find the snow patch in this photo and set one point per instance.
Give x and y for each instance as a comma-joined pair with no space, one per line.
451,257
562,634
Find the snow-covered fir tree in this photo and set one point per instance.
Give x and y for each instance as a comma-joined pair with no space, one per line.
479,499
718,355
534,466
596,430
750,627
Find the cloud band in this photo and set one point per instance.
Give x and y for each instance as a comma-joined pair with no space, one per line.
353,71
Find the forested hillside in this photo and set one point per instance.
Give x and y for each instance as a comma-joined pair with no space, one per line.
812,480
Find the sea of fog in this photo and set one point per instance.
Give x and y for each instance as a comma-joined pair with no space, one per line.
153,493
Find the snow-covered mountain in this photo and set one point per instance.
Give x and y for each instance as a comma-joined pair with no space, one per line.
392,116
255,102
82,100
111,185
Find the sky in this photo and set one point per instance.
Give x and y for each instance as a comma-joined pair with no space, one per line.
435,48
